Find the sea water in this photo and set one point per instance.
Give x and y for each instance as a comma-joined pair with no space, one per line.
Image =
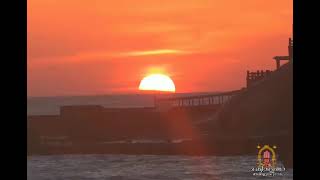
144,167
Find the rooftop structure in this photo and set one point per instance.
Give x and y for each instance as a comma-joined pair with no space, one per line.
285,58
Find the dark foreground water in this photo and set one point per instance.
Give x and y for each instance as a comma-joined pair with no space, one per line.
144,167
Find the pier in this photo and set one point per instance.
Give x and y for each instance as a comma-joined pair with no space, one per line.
198,100
254,77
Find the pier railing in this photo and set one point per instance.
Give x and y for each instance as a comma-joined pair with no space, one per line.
198,100
254,77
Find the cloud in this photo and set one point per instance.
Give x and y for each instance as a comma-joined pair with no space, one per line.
155,52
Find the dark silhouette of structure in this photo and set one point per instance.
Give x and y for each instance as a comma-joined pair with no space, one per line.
285,58
254,77
216,99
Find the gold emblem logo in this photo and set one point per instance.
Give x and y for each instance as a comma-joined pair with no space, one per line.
266,156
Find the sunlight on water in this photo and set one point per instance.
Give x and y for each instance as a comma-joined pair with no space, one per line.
143,167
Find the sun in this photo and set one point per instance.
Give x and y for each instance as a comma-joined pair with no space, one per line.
157,82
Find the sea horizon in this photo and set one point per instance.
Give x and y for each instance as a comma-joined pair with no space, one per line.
50,105
128,93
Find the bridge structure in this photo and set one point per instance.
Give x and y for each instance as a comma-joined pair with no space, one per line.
196,100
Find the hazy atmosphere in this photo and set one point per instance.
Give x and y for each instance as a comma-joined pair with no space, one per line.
101,47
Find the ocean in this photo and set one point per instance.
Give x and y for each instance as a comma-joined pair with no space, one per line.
145,167
51,105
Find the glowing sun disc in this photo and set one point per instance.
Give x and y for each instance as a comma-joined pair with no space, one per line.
157,82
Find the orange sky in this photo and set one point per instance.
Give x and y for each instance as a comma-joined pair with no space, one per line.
78,47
